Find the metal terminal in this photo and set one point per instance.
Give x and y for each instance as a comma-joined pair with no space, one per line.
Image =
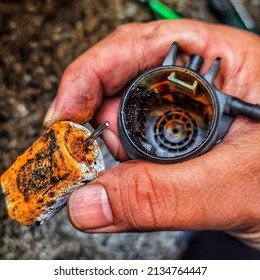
95,134
185,88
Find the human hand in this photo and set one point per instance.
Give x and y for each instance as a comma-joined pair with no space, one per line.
218,190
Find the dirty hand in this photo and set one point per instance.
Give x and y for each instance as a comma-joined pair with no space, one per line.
218,190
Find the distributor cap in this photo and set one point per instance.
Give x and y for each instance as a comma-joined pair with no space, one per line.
171,113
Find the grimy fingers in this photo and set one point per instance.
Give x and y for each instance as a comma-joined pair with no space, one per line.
111,64
218,190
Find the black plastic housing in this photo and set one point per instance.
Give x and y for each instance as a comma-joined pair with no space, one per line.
171,113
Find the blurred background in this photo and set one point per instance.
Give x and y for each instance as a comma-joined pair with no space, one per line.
38,40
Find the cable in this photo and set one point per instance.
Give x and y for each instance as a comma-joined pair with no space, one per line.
236,106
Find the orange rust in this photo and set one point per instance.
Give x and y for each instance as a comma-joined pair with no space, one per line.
163,88
45,171
83,116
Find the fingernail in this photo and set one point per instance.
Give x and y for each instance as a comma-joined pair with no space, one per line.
48,120
89,208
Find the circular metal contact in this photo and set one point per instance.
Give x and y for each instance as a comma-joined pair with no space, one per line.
175,130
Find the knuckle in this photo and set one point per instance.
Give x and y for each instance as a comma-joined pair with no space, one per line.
70,75
142,200
156,198
70,69
126,27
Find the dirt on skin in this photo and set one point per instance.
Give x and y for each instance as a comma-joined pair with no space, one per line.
38,40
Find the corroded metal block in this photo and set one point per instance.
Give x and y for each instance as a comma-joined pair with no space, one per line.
40,181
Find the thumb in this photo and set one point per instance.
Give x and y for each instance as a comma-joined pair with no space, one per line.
212,191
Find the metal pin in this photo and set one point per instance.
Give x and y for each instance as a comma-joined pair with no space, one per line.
95,134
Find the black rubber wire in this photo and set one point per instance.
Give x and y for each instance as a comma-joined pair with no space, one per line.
236,106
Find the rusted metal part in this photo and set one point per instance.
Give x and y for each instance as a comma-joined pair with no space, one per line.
40,181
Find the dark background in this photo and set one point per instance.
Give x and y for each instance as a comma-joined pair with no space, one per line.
38,40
